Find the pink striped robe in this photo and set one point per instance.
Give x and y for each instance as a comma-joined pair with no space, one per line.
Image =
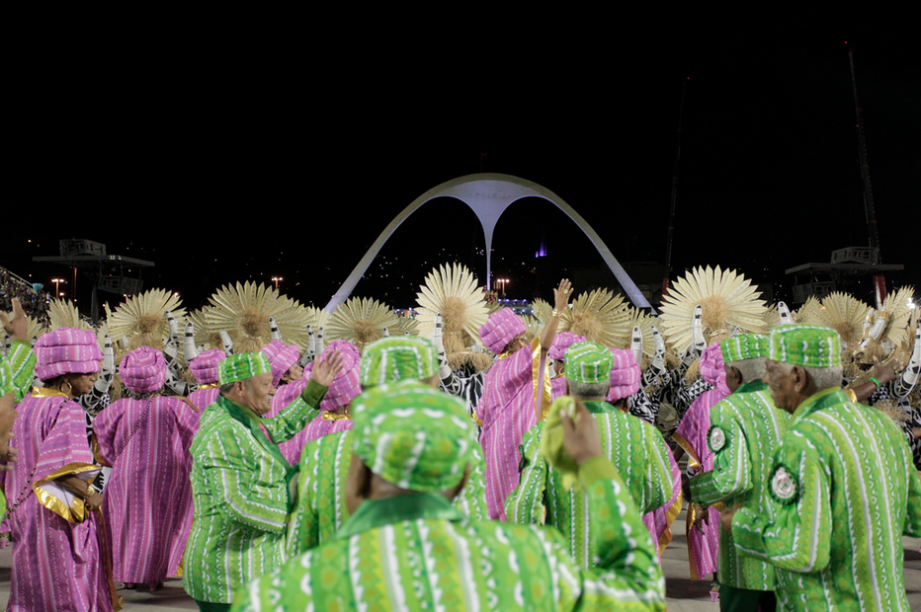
659,521
691,435
202,398
148,499
320,427
507,410
57,565
284,395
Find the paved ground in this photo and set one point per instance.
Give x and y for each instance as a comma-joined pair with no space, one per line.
684,594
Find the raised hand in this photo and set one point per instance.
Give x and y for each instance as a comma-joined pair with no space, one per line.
17,326
658,357
325,371
276,334
580,434
188,343
171,346
320,344
386,332
107,373
561,295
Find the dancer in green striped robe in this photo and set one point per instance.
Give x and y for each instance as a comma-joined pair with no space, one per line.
636,448
745,430
240,480
844,486
321,509
406,548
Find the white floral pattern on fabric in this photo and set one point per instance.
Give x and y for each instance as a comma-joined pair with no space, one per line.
716,439
784,485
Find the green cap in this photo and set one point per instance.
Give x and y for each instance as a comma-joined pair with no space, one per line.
6,376
397,358
744,346
588,362
412,435
806,345
242,366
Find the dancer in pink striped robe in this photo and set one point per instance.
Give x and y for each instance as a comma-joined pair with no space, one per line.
148,499
335,413
58,546
205,370
516,393
290,380
691,436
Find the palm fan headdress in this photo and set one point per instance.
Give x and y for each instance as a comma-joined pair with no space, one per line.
599,315
204,336
406,326
841,312
729,302
453,291
770,319
142,318
808,311
63,313
316,317
360,321
895,315
243,311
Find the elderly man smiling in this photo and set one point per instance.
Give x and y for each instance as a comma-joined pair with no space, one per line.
241,484
843,484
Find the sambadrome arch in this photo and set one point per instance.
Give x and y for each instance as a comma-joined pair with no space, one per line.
489,195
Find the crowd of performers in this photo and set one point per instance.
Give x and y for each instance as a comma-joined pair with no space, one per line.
291,459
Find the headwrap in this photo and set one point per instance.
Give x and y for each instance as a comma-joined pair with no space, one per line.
346,386
501,328
281,357
588,362
398,358
143,370
6,376
563,341
205,366
743,346
806,345
413,435
66,351
243,366
625,375
711,367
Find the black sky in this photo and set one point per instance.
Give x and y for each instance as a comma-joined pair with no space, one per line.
289,159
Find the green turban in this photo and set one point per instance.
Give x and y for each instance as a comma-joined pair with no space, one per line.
412,435
744,346
806,345
242,366
398,358
588,362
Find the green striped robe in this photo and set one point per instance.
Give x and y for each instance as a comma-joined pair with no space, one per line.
845,490
240,492
637,451
417,552
320,510
748,428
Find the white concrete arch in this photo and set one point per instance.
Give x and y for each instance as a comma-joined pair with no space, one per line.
489,195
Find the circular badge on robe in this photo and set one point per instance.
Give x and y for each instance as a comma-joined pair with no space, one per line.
716,439
784,486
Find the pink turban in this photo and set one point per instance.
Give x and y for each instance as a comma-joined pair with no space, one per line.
501,328
143,370
346,386
281,357
563,341
205,366
625,375
66,351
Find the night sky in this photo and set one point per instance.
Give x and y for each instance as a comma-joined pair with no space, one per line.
238,166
